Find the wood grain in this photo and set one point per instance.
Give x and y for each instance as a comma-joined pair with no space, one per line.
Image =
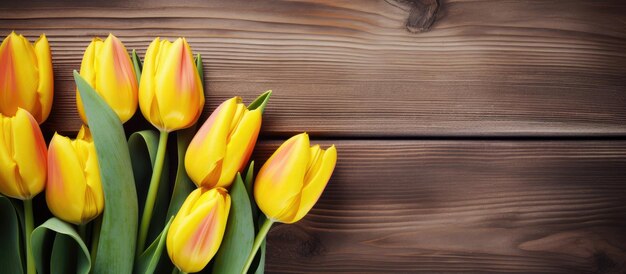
471,206
350,68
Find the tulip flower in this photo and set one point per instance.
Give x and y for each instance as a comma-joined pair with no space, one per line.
170,90
290,183
74,190
22,156
107,67
223,144
26,76
197,230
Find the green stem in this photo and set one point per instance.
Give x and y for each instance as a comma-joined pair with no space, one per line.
28,230
95,238
257,243
152,193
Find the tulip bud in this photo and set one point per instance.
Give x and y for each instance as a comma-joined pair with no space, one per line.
22,156
26,76
170,90
74,190
223,144
293,179
196,233
107,67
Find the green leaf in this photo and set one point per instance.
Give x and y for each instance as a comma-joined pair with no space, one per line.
10,257
116,248
137,65
149,260
183,185
199,67
143,147
68,254
261,101
249,182
239,235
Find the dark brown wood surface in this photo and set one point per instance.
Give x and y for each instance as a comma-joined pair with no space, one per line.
350,68
490,140
452,206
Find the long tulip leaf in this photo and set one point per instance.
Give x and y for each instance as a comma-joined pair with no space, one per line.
10,257
239,235
143,147
137,65
58,248
149,260
261,101
249,182
116,247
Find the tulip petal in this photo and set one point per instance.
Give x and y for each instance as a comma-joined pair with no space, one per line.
147,99
88,72
66,181
18,76
23,154
116,80
178,88
195,237
206,152
45,90
280,180
241,144
316,180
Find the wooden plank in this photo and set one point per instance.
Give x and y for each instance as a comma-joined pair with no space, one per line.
452,206
350,68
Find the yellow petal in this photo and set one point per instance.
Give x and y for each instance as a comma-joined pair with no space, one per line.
116,81
242,140
280,180
88,72
195,237
45,90
66,182
178,89
23,156
316,179
206,152
19,76
74,191
147,100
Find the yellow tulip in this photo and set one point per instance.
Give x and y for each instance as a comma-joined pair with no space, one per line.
22,156
107,67
170,90
74,190
26,76
196,233
223,144
293,178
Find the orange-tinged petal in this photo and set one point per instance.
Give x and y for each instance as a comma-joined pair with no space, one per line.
280,180
108,69
45,90
242,140
74,190
171,97
19,77
316,179
22,156
197,230
179,90
205,156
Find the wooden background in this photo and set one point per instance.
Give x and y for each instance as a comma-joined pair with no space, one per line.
494,142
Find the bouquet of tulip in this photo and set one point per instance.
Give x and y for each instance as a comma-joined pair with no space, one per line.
110,205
